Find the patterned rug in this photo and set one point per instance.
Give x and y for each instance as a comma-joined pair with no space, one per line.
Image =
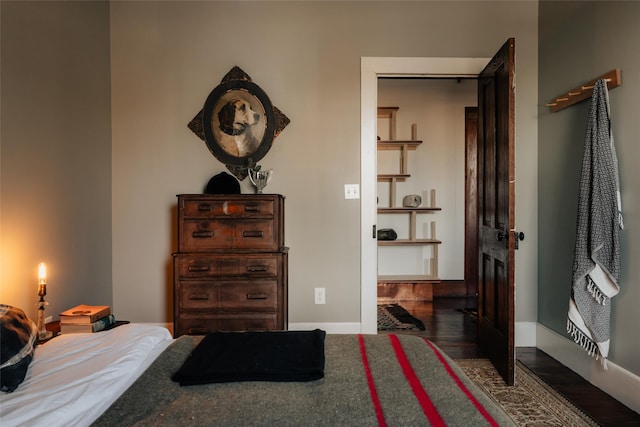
530,402
394,317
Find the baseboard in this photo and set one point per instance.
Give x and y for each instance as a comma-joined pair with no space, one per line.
621,384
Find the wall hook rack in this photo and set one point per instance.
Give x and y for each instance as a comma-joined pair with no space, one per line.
582,92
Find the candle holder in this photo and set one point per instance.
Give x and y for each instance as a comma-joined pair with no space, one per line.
43,334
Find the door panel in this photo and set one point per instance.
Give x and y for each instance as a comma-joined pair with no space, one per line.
496,197
471,201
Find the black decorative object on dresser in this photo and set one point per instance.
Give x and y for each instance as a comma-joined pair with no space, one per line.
230,271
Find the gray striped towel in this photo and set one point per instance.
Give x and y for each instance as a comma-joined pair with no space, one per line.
596,266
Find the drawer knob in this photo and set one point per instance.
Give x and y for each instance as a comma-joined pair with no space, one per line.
253,234
198,268
251,207
204,207
257,296
198,297
257,268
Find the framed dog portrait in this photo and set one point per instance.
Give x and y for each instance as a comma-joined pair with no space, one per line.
238,122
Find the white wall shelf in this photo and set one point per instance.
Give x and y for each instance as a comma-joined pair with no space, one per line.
404,146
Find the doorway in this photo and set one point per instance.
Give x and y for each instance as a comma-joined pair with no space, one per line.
425,157
371,70
496,197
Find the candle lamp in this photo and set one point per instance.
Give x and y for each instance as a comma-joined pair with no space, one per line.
43,334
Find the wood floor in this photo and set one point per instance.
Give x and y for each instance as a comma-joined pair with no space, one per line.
455,333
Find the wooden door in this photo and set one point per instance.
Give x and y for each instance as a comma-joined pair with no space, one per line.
471,201
496,213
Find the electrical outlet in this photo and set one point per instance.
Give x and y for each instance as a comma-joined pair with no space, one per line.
351,191
320,295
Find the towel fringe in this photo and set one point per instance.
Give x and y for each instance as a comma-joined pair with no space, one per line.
620,221
595,292
586,343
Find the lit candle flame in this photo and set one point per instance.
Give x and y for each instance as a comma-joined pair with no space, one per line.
42,274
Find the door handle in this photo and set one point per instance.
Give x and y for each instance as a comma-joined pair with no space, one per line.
519,235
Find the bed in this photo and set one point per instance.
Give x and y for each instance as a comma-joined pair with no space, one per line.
123,377
73,378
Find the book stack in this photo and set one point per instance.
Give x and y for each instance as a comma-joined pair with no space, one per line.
86,319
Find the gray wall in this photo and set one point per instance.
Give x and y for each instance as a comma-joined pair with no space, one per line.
165,57
579,41
55,176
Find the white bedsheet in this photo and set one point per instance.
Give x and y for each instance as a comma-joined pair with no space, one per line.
75,378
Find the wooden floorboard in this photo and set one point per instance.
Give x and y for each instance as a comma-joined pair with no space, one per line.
456,332
591,400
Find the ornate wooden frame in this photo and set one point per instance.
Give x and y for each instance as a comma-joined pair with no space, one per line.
238,143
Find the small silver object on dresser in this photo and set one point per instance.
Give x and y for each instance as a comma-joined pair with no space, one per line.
411,201
260,178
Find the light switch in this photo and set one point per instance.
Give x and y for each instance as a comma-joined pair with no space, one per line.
351,191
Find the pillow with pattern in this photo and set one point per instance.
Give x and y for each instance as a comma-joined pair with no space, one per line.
18,337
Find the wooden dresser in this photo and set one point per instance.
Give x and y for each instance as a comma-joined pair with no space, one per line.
230,271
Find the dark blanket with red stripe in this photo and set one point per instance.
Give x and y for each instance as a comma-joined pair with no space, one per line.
395,380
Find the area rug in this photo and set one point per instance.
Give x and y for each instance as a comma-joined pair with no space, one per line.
530,402
394,317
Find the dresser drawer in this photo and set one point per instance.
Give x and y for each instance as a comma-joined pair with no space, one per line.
226,207
196,266
228,296
223,234
204,324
